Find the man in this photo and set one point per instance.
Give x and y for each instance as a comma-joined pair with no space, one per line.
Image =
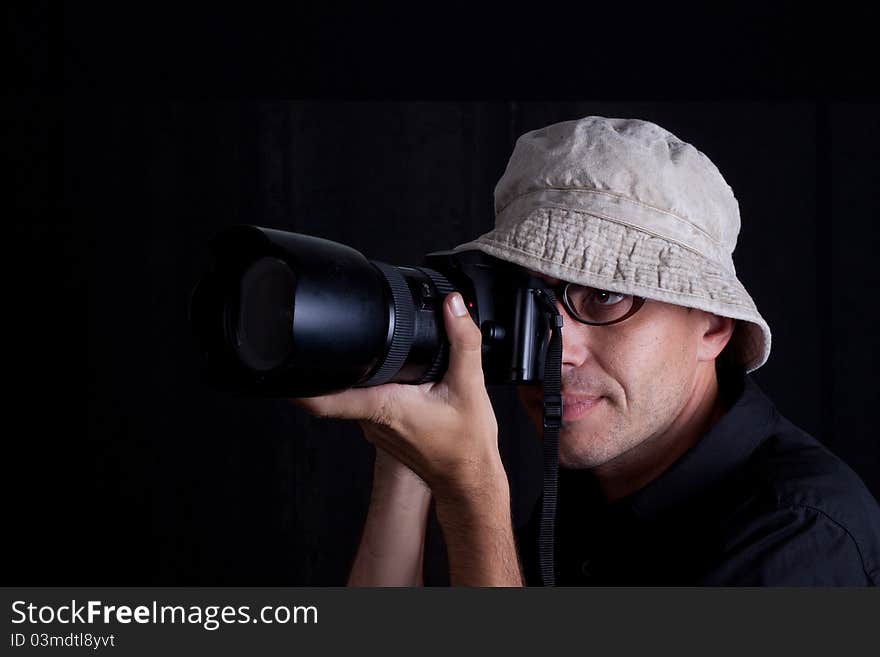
675,468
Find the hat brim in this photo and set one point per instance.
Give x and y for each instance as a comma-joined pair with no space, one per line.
589,250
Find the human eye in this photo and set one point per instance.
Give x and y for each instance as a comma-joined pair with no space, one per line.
605,298
596,306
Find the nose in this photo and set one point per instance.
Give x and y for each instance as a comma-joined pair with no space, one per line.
574,340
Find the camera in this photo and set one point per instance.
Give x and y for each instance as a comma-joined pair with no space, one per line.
293,315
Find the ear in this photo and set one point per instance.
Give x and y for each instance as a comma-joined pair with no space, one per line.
716,332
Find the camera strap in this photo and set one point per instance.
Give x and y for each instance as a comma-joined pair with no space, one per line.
550,444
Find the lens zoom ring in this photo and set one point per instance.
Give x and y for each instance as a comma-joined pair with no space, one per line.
441,360
404,325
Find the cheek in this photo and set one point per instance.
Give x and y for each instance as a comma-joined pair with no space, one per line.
648,365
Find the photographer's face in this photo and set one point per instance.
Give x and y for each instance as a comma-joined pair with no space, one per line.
625,384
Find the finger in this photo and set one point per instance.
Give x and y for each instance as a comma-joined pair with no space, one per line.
374,404
465,373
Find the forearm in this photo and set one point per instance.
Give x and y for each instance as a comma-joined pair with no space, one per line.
391,550
478,533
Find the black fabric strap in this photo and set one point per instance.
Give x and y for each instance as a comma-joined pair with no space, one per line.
552,377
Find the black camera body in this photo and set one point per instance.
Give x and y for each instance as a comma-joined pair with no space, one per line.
291,315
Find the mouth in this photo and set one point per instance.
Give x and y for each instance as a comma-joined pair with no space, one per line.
575,407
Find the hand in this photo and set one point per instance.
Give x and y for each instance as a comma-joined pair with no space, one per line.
444,431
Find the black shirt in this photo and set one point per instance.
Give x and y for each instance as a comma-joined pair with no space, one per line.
756,502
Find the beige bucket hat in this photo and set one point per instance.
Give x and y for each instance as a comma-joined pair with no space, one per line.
625,206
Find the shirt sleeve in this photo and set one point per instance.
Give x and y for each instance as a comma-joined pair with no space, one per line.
791,546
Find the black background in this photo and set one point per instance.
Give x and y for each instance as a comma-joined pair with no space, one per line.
137,133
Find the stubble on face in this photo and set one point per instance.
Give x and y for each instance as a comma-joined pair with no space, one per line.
643,371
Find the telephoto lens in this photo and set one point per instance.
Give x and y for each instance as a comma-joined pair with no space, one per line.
293,315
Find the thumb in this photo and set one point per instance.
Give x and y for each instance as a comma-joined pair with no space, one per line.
465,372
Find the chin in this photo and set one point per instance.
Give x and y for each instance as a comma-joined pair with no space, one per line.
586,449
572,463
579,461
575,456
